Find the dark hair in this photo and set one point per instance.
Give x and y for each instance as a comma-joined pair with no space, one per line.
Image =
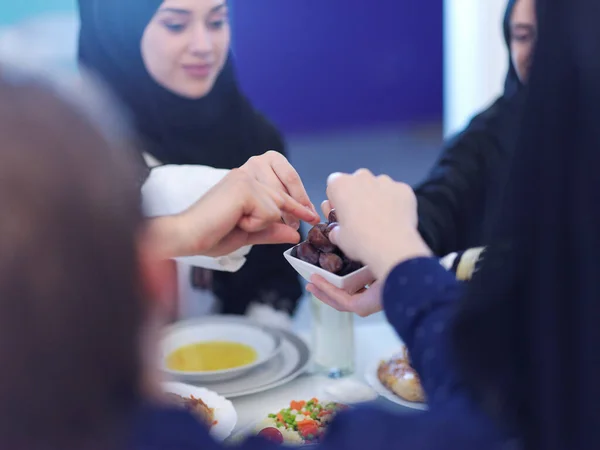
70,310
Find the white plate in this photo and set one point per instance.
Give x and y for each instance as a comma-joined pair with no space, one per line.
252,430
373,380
265,343
352,282
290,363
224,412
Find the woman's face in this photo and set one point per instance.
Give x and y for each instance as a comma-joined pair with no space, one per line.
185,45
523,34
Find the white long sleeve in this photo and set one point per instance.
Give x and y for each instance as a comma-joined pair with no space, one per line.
171,189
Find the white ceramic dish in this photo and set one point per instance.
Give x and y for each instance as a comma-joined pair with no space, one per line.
351,283
282,369
224,412
291,362
253,429
373,380
265,343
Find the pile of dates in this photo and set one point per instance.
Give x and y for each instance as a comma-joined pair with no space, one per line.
319,251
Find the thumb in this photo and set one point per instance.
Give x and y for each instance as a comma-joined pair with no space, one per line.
326,207
336,237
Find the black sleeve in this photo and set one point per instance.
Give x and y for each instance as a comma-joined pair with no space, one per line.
266,278
452,199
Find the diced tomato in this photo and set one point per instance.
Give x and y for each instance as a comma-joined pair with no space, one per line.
307,428
305,422
324,413
280,417
308,431
297,405
314,400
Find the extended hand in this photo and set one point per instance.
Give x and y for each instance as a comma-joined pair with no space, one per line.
275,171
236,212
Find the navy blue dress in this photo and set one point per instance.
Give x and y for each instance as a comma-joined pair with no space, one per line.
420,297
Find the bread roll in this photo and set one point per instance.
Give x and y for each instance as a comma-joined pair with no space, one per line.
400,378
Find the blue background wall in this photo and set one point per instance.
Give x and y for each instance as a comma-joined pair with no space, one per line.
314,64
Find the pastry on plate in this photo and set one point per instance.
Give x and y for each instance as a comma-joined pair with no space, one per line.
196,406
398,376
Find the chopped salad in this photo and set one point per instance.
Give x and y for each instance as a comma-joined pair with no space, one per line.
301,423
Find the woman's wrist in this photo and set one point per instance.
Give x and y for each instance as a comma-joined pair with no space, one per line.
170,237
397,251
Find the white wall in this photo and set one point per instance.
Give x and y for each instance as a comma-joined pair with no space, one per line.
475,58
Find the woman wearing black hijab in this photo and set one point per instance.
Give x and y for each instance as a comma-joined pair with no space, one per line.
459,198
459,201
170,64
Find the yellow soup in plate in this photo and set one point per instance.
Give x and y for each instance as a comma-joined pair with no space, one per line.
211,356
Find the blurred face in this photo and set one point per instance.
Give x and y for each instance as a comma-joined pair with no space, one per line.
185,45
523,34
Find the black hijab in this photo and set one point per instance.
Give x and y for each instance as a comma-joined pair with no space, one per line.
494,118
527,335
219,130
458,201
512,84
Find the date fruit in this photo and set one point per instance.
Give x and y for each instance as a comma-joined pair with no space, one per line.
317,237
330,227
349,267
307,253
331,262
332,216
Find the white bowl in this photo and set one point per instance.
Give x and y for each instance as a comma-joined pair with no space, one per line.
184,333
350,283
224,412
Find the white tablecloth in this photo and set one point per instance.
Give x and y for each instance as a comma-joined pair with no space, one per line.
374,341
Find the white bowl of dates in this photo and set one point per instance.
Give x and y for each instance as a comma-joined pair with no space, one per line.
317,255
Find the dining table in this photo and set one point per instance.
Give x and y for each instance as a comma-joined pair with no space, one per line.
374,340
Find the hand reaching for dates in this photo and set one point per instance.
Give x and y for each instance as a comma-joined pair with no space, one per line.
377,220
319,251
